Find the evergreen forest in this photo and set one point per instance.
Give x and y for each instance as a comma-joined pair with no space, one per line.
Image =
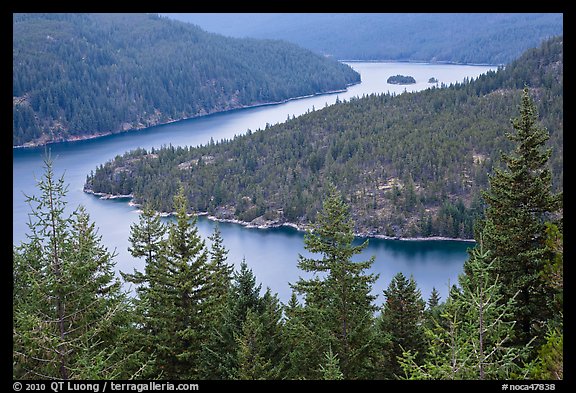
195,317
408,165
479,38
84,75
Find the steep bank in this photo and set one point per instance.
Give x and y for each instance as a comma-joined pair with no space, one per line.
82,75
410,165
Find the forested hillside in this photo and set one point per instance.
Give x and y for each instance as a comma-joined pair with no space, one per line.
81,75
489,38
408,165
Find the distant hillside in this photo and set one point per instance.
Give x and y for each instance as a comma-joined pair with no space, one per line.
409,165
461,38
81,75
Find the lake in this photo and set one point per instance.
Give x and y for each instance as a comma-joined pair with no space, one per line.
271,253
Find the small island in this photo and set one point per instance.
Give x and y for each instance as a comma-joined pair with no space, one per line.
401,80
432,80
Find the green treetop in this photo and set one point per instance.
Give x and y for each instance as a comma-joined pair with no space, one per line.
70,316
338,297
520,202
400,324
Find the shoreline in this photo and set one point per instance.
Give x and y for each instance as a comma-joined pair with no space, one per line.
31,145
436,62
272,224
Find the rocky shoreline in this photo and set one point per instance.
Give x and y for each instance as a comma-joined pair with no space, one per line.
43,142
261,223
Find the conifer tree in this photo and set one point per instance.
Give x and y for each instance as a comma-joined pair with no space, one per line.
520,201
147,236
186,269
301,338
217,317
331,369
271,317
220,271
260,348
220,354
252,363
245,295
400,325
549,363
70,316
147,240
471,339
434,299
433,310
338,300
173,297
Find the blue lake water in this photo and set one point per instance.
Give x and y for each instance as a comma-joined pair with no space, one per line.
271,253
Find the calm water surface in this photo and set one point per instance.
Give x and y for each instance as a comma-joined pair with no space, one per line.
272,253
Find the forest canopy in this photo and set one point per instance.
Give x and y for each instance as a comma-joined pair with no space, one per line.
409,165
478,38
401,80
80,75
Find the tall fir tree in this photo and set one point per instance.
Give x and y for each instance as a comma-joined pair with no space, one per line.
217,317
70,317
220,271
549,363
252,363
220,354
186,261
338,299
302,338
147,240
434,299
520,202
260,350
400,326
147,236
173,296
471,338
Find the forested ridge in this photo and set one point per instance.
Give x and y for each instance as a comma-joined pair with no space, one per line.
196,317
481,38
409,165
82,75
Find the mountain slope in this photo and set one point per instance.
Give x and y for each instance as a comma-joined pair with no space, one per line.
79,75
409,165
488,38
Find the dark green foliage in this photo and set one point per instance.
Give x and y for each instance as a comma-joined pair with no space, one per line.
251,342
471,337
331,369
173,293
408,165
260,350
246,337
550,361
303,339
147,240
485,38
192,320
400,326
520,203
338,301
219,270
434,299
70,318
401,80
78,75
